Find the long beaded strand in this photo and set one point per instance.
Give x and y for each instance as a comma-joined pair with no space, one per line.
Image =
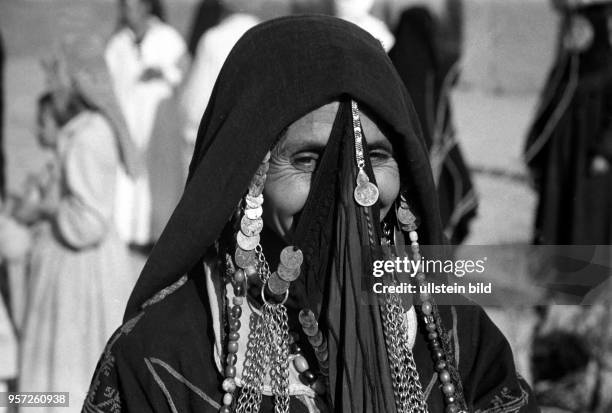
426,308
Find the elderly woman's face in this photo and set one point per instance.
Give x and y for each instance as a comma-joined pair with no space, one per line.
295,158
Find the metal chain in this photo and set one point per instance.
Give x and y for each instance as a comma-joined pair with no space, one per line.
263,267
407,386
358,136
280,365
256,360
267,353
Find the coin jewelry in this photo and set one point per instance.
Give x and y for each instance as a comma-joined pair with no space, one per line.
268,348
407,220
366,193
271,347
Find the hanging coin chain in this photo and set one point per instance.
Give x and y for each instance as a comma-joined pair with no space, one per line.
366,193
268,346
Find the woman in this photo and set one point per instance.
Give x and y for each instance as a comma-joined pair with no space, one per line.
146,58
418,60
309,115
569,146
79,270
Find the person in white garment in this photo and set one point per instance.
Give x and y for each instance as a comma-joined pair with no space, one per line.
358,12
8,350
212,50
146,58
78,270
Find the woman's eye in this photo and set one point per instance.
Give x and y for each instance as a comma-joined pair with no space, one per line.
306,161
379,155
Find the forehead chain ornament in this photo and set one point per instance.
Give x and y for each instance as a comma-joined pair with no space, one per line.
366,193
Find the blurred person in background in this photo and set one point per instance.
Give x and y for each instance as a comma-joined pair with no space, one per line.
2,166
569,154
312,7
79,270
8,349
212,50
37,195
358,12
419,60
147,59
208,15
569,146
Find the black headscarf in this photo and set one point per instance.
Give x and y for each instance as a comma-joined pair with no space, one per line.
278,72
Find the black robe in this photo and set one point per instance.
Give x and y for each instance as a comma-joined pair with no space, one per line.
162,361
572,126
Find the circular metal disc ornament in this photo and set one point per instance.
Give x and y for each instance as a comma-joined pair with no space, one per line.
407,218
316,340
253,213
311,331
321,347
253,201
322,356
362,177
366,194
276,285
263,168
259,179
255,190
307,318
245,258
291,257
251,227
288,274
247,243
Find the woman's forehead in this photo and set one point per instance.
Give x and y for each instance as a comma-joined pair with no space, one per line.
314,128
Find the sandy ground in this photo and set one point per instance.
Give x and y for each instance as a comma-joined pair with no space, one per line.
491,129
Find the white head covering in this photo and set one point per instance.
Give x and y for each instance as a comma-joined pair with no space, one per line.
79,64
348,9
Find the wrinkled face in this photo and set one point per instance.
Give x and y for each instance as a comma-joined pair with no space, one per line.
295,158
